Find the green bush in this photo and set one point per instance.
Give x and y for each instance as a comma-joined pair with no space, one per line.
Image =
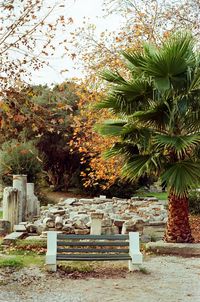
194,203
19,158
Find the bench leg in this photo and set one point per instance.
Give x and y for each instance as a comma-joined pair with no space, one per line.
134,251
51,267
133,267
51,251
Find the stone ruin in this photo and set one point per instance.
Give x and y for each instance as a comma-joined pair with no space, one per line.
21,212
105,216
19,204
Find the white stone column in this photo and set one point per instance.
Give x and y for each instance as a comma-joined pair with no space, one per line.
33,204
11,206
19,183
96,222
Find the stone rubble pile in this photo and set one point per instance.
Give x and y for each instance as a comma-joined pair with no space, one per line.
118,216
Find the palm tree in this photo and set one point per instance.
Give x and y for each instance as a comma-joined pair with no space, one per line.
157,108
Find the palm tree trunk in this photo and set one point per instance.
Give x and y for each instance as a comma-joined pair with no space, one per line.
178,227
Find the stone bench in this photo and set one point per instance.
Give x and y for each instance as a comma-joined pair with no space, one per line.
61,247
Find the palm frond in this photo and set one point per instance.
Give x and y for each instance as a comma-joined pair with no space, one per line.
135,88
113,77
132,132
111,128
157,116
195,84
139,165
180,145
182,176
135,59
126,98
125,149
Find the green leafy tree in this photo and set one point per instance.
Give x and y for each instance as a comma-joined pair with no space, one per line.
19,158
157,122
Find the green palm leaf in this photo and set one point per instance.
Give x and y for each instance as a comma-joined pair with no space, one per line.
126,149
180,145
182,176
139,165
113,77
157,116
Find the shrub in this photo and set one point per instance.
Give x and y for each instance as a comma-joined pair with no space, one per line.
19,158
194,203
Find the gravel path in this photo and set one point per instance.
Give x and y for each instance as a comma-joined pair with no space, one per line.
170,279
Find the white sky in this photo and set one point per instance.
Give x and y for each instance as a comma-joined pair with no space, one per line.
79,9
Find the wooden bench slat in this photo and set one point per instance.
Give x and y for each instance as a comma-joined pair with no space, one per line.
89,243
92,257
89,250
97,237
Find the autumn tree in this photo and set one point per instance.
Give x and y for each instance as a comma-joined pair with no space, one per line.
46,116
27,37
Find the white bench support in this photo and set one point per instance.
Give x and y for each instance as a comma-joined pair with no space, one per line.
134,251
51,251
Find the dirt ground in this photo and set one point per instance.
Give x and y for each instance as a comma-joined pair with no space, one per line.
162,279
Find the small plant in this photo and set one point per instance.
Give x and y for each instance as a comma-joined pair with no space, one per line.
143,270
153,238
15,263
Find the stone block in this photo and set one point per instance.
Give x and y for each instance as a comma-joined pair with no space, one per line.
145,238
181,249
68,201
86,200
68,229
78,224
109,230
97,215
106,222
5,227
35,237
155,231
57,212
82,232
11,238
19,228
133,225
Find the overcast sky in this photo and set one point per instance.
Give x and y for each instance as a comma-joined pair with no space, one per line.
78,9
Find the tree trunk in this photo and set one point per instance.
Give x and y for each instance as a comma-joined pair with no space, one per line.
178,227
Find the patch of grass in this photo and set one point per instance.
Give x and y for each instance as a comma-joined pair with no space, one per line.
31,243
11,262
159,195
143,270
33,260
1,214
81,267
20,252
25,258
